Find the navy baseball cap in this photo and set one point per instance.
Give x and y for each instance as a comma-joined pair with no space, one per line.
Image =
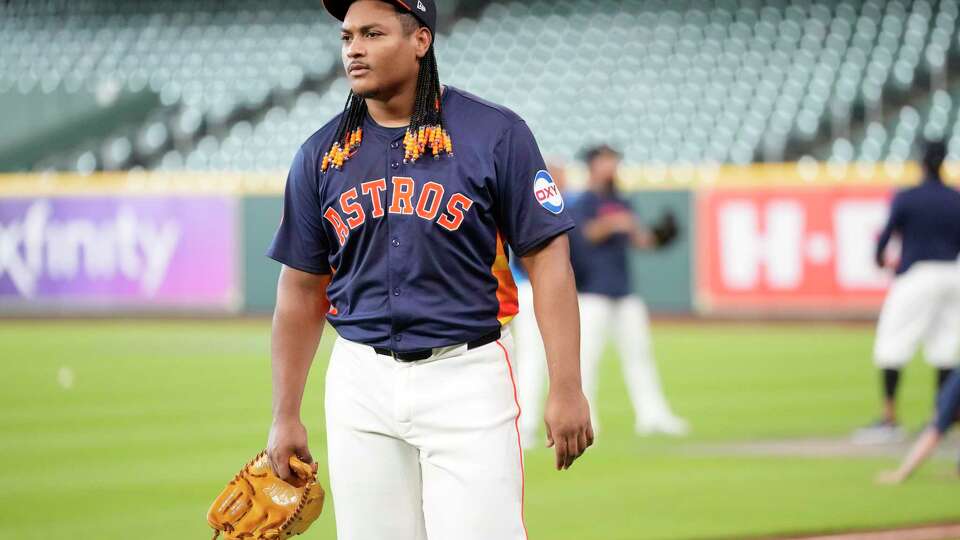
593,152
423,10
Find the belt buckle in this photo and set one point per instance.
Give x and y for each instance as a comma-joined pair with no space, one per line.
397,358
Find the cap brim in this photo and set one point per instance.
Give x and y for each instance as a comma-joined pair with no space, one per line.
337,8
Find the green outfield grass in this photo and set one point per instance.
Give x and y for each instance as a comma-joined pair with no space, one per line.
161,414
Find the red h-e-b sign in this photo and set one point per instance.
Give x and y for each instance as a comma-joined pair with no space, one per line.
790,249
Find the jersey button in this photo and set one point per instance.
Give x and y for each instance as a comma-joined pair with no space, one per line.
395,145
395,164
396,292
395,242
398,338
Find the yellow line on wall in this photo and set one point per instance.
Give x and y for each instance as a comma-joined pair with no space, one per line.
632,178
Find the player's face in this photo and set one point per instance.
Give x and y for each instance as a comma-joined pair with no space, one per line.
378,55
603,169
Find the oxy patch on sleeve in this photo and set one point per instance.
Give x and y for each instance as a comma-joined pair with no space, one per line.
547,192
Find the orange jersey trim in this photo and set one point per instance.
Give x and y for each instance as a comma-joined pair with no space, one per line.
507,294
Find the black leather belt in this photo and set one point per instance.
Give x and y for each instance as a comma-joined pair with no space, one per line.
413,356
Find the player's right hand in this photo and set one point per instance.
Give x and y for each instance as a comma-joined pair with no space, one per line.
569,432
287,437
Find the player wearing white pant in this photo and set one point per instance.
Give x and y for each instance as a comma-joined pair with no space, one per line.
607,229
923,304
404,250
620,316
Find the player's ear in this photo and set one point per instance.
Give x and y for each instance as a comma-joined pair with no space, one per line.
423,39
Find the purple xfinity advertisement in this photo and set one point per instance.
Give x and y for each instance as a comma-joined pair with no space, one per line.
104,252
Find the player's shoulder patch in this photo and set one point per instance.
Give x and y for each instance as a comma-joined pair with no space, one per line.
547,192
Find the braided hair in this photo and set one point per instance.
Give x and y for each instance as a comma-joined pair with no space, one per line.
426,133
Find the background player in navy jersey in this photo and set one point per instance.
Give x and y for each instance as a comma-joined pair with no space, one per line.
948,409
607,230
397,218
923,304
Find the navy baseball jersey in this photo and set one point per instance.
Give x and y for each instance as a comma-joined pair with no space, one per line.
601,268
418,251
928,219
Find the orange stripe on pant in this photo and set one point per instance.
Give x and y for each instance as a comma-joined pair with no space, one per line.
516,424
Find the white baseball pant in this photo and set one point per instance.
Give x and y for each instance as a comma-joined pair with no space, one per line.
627,319
921,307
426,450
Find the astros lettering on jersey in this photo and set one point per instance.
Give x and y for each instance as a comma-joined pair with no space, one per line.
349,213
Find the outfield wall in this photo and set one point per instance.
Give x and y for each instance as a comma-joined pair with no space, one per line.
772,240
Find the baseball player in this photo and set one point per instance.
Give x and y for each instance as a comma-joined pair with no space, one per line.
607,229
923,304
397,218
948,409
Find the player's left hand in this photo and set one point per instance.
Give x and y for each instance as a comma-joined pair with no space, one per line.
890,478
569,432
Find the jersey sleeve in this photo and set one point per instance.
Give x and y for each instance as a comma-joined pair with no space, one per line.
300,241
530,206
894,224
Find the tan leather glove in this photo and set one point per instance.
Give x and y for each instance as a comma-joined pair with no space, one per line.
258,505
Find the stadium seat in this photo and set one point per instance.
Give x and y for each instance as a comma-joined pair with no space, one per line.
699,81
